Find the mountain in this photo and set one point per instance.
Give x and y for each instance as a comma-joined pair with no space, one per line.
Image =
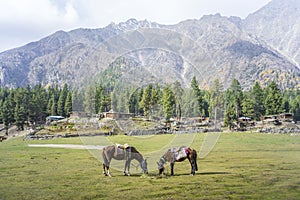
142,52
278,24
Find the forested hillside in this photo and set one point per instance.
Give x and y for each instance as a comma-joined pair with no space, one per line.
30,106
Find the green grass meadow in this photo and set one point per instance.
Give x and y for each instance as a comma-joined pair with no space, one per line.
241,166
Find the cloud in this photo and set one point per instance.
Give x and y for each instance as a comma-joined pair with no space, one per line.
24,21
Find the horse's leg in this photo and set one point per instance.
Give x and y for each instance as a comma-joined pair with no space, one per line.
172,168
192,164
128,167
126,163
104,170
193,161
108,159
108,172
193,167
104,163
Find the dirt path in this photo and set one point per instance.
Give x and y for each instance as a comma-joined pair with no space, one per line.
67,146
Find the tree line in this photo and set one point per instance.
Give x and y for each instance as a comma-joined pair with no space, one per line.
31,105
217,103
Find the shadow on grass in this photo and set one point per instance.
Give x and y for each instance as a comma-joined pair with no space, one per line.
197,174
151,174
213,173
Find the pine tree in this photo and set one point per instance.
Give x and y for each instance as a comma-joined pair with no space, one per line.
98,99
6,115
216,100
168,102
234,97
39,103
53,105
237,96
62,101
139,99
248,104
178,92
295,106
27,103
133,103
68,104
189,106
198,95
273,100
258,97
78,97
89,101
146,100
19,112
19,116
156,95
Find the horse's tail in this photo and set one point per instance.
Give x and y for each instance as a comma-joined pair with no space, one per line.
195,159
104,156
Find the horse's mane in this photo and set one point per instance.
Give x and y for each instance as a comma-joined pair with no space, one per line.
133,150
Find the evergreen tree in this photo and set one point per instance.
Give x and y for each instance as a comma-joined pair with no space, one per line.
139,99
234,95
19,116
98,99
62,101
53,105
198,95
53,94
10,106
68,104
38,106
156,95
295,106
78,97
287,95
178,92
6,115
19,112
248,105
89,101
168,102
273,100
106,102
146,100
27,103
258,98
216,100
230,111
189,106
133,103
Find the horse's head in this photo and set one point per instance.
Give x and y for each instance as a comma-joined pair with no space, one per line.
144,166
160,165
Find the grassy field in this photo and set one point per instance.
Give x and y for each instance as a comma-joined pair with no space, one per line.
241,166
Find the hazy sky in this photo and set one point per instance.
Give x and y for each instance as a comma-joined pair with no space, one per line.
24,21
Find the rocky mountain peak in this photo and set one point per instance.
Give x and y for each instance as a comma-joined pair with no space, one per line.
263,47
133,24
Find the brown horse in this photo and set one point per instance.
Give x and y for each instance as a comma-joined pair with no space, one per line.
178,155
122,153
